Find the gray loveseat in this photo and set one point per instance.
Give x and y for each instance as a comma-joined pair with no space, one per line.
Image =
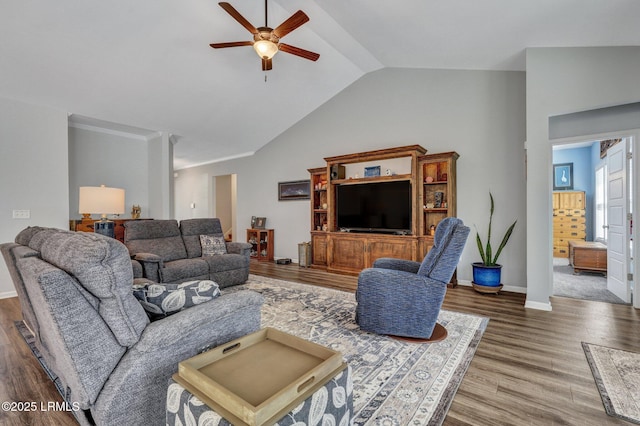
75,291
171,253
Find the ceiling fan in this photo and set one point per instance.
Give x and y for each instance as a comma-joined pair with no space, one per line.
266,40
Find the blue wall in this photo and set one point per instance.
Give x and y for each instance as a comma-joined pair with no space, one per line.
584,161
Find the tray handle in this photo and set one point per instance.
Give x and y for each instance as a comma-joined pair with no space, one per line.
231,348
306,383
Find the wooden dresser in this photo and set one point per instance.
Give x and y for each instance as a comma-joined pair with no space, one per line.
86,225
569,222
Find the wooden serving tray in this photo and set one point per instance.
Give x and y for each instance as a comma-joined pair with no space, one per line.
258,378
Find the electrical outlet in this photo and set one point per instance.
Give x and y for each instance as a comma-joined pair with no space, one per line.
22,214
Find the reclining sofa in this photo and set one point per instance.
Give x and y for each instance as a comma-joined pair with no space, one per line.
95,339
171,253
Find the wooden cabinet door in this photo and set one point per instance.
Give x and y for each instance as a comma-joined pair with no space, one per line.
319,250
387,247
347,254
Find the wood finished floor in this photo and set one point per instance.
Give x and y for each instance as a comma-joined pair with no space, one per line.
529,368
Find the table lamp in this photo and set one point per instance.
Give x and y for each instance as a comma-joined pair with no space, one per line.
103,201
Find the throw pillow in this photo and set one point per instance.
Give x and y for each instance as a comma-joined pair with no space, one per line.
161,300
212,245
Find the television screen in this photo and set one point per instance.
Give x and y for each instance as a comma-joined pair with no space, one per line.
380,206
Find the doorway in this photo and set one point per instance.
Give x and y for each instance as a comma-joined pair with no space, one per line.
223,199
585,265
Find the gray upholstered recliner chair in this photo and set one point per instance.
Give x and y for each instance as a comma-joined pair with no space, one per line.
403,298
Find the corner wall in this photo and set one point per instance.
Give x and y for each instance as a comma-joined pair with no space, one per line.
479,114
562,81
100,158
34,172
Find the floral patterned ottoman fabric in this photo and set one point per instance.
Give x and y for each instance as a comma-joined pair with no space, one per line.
329,405
161,300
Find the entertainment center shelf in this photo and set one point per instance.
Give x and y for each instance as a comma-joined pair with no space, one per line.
355,181
406,212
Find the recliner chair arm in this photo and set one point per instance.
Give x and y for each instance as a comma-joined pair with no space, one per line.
397,264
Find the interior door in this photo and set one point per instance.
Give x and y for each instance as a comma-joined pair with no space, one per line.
617,209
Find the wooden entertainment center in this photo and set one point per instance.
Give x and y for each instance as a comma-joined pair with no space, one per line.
433,197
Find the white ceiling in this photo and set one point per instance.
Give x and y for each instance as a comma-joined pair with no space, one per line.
147,64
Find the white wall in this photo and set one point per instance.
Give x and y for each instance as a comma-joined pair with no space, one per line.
479,114
562,81
160,189
33,172
99,157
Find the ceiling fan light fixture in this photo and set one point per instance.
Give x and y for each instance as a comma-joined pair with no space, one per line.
265,48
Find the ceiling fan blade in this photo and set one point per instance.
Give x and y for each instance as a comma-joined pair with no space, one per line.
236,15
299,52
267,64
291,24
231,44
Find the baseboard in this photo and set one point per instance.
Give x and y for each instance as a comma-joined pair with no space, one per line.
538,305
8,294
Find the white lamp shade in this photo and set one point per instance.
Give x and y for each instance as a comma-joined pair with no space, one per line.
101,200
265,48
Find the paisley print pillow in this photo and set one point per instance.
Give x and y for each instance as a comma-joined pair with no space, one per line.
160,300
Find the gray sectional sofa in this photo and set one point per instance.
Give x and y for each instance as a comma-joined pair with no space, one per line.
94,337
171,253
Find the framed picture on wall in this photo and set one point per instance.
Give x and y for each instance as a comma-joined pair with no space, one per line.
562,176
294,190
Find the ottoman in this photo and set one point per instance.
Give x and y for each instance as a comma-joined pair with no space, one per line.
331,404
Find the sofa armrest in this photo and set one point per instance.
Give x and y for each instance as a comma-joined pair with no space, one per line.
138,271
397,264
237,247
174,329
151,266
136,391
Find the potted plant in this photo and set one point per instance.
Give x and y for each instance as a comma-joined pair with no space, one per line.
488,272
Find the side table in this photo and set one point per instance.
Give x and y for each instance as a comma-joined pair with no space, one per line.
332,404
587,256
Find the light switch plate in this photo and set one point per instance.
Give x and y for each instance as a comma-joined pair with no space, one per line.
22,214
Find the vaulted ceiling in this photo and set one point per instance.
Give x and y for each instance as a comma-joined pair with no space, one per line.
147,65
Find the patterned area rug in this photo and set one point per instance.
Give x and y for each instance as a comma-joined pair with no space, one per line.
395,382
617,376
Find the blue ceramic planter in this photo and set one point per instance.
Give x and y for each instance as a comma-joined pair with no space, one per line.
486,275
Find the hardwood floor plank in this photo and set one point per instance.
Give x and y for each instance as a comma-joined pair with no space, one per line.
529,368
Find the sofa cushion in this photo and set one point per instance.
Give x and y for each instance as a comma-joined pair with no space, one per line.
182,270
160,300
191,229
102,267
226,262
160,237
213,245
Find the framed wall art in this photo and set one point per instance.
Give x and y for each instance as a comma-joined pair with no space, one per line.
372,171
562,176
294,190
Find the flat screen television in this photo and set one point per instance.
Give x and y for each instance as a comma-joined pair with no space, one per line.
383,207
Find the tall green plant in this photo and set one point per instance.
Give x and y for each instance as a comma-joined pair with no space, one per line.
486,252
